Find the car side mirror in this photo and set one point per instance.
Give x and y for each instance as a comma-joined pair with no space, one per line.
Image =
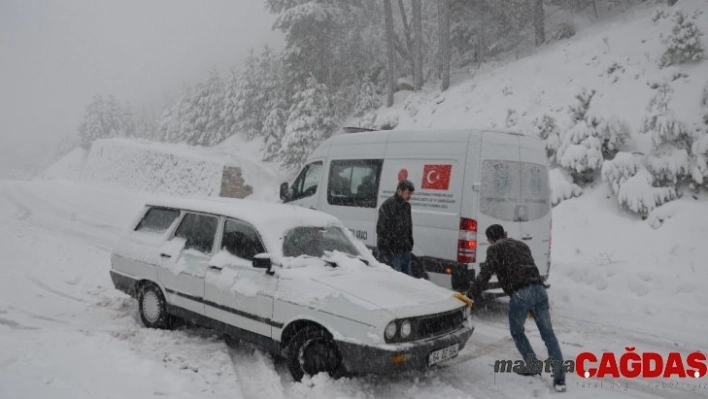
284,191
262,261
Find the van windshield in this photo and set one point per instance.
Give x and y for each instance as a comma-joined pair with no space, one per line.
314,241
514,191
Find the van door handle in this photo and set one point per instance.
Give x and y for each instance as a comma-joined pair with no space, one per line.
527,237
213,267
166,256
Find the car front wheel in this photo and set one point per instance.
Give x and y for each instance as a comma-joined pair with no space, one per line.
153,307
312,351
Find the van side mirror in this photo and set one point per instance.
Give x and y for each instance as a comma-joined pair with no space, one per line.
262,261
284,191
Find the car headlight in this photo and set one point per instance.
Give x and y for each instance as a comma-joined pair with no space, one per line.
391,330
405,329
467,312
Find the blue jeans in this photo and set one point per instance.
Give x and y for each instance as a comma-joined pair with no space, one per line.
535,299
401,261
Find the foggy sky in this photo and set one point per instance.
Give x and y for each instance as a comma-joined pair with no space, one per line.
56,54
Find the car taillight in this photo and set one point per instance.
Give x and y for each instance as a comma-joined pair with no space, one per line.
467,241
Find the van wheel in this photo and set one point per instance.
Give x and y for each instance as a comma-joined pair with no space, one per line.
312,351
153,307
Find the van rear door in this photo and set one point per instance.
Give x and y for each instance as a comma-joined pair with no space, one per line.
500,187
535,201
514,192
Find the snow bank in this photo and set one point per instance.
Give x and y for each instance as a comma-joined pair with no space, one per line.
562,186
168,168
152,168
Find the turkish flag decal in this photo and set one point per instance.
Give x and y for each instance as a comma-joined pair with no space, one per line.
436,177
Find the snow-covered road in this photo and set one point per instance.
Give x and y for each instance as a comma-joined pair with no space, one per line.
65,332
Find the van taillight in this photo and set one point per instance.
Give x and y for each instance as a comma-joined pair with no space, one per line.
467,241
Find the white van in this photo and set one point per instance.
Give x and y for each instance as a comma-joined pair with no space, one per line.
466,180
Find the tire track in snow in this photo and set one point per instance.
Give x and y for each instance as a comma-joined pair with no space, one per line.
64,222
47,288
256,373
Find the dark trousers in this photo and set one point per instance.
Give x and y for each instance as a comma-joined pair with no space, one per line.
534,298
400,261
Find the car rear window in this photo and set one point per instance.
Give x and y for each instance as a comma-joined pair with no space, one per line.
514,191
157,220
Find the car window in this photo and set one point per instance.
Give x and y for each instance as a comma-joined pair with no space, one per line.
241,240
314,241
198,231
157,220
305,185
354,183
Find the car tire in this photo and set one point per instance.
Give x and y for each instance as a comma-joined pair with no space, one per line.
311,351
153,307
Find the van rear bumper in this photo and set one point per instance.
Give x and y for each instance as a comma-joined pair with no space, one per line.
460,275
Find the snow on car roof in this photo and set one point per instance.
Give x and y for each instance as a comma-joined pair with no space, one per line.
254,212
271,219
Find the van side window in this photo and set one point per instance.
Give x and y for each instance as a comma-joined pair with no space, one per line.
198,231
157,220
354,183
305,185
241,240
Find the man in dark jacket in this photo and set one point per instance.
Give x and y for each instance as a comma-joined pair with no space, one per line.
394,229
512,262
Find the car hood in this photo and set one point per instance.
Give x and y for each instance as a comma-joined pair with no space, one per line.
375,287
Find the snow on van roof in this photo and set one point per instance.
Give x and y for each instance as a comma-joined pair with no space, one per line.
443,133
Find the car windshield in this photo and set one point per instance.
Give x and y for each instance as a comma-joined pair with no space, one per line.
315,241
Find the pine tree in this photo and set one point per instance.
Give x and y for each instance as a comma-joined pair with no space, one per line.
672,140
684,44
273,131
367,99
309,123
229,110
248,119
104,119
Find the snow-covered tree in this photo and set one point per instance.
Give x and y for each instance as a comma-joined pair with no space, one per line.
104,119
174,124
578,111
206,111
273,132
309,123
684,43
704,103
230,111
581,152
640,195
547,130
672,140
621,168
249,118
615,134
367,99
699,173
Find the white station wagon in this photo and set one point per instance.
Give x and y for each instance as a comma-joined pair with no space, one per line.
293,281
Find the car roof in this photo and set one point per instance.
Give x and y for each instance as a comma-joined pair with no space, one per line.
254,212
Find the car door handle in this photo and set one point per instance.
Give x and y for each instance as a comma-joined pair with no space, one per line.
213,267
526,238
166,256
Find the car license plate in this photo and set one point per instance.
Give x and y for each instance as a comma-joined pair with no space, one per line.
443,354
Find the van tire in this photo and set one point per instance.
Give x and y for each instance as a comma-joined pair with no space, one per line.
311,351
153,307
